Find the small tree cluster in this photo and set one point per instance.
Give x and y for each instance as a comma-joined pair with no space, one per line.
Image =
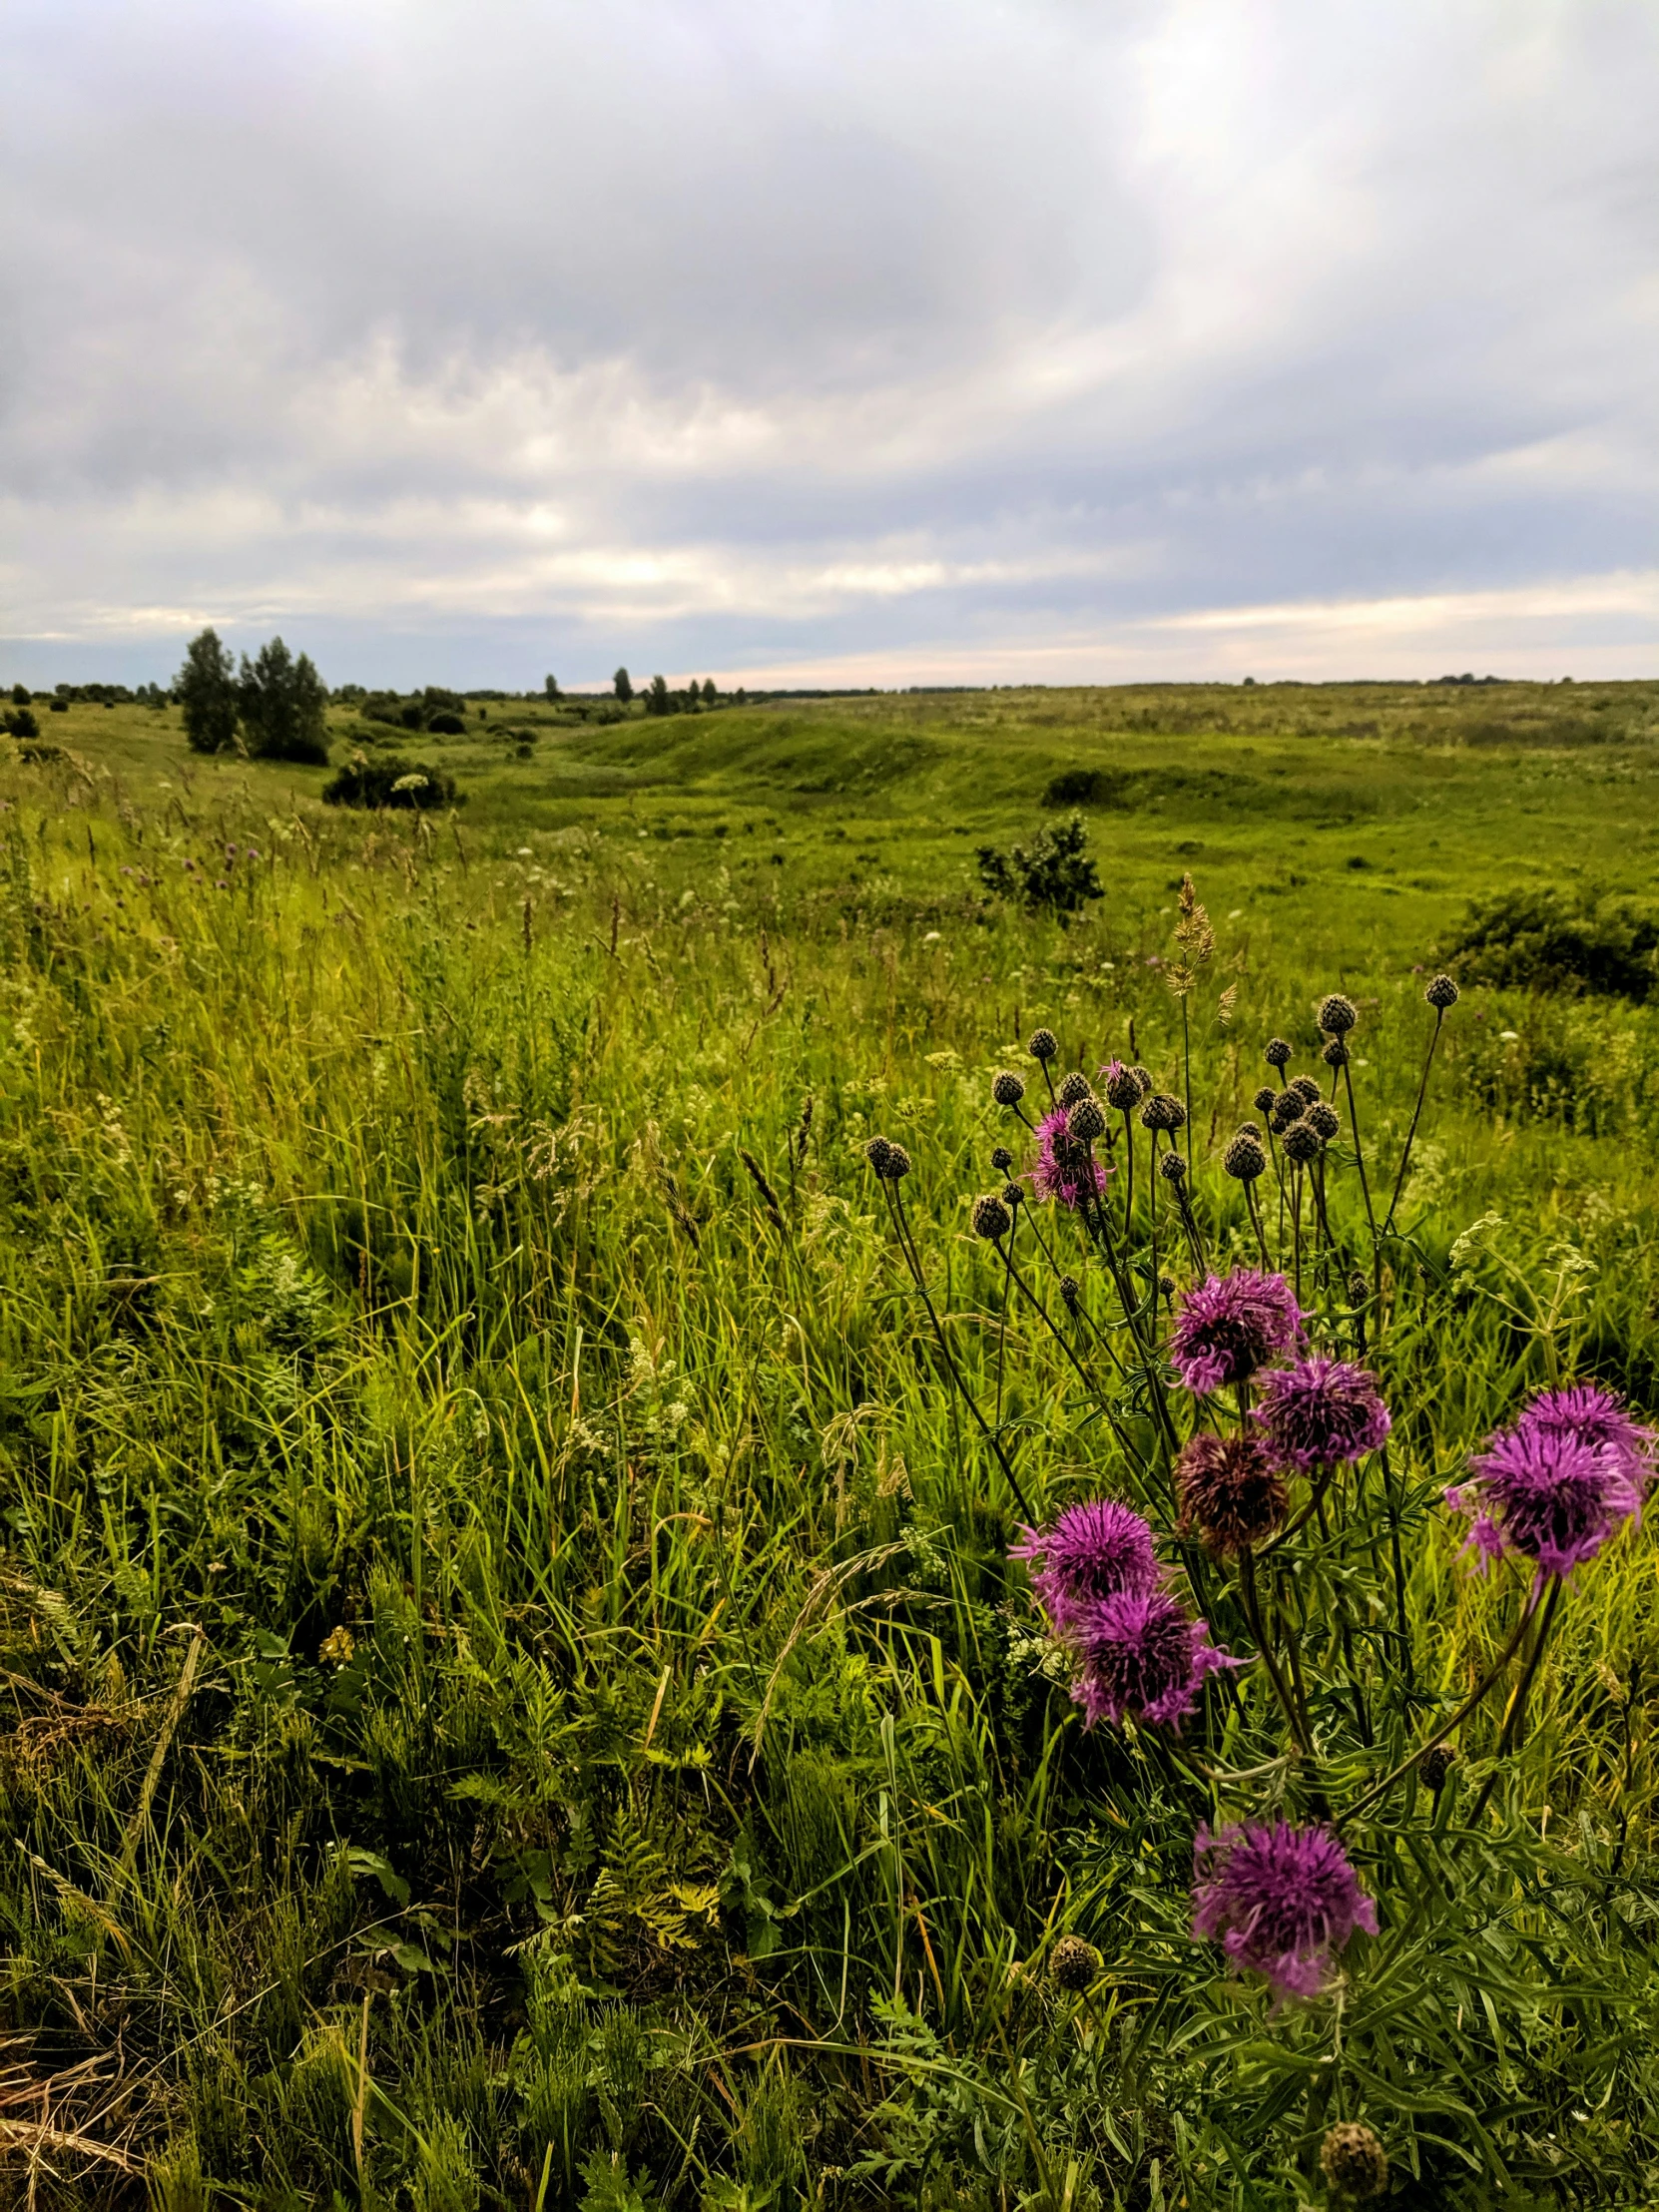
1054,870
660,700
280,701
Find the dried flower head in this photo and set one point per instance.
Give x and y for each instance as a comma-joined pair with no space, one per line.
1353,2162
898,1163
1044,1045
1279,1901
1301,1144
1324,1120
1266,1099
1065,1169
1441,993
1231,1491
1073,1088
1337,1014
1173,1168
877,1152
1143,1076
1007,1088
1073,1965
1288,1108
1306,1089
1163,1112
1002,1159
991,1219
1435,1767
1092,1551
1334,1054
1229,1326
1123,1086
1319,1412
1139,1653
1276,1052
1559,1483
1071,1291
1012,1197
1243,1158
1087,1120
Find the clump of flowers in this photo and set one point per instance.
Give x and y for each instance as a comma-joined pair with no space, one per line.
1066,1168
1093,1551
1280,1899
1231,1491
1139,1653
1321,1411
1230,1326
1559,1483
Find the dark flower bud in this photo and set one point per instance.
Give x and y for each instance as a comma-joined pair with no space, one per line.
877,1152
1123,1090
1086,1121
1173,1168
1355,2162
1166,1288
1441,993
1007,1088
1070,1293
1301,1145
1243,1158
1143,1076
1337,1014
1230,1491
898,1163
1012,1197
1323,1120
1073,1965
1163,1112
1044,1045
1074,1089
1434,1766
1277,1052
1266,1099
1002,1159
1359,1290
1334,1054
1288,1108
1306,1089
991,1219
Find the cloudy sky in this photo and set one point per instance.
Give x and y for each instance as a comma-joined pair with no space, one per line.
832,341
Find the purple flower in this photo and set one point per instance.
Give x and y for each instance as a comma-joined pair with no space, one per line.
1319,1411
1064,1167
1139,1653
1279,1900
1231,1324
1552,1491
1092,1551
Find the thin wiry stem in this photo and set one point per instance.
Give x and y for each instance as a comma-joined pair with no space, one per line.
1517,1710
1416,1115
1364,1187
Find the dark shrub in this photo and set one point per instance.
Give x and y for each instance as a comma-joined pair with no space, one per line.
21,695
391,783
1073,786
445,723
1053,872
1541,941
21,723
60,706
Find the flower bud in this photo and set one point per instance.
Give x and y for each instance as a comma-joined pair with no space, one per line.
1441,993
1334,1054
1044,1045
1073,1965
1002,1159
1086,1121
1354,2161
1243,1158
1301,1144
1074,1089
1007,1088
1277,1052
1323,1121
991,1219
1337,1014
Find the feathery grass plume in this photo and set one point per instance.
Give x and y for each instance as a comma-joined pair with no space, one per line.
1230,1490
1281,1900
1092,1550
1319,1412
1064,1168
1353,2162
1230,1326
1558,1484
1140,1654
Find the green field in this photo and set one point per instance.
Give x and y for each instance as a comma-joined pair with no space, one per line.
516,1689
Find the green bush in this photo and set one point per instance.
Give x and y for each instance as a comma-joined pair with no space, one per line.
1541,941
1053,872
391,783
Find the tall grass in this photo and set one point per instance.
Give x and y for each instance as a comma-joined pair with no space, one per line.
517,1690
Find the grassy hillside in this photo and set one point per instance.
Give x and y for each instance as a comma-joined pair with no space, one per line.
517,1689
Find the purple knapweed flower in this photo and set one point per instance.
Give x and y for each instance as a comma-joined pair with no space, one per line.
1138,1652
1064,1167
1092,1551
1319,1411
1279,1900
1230,1325
1555,1486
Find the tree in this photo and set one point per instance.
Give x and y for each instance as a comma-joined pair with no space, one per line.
20,695
659,700
1054,872
710,695
552,684
624,689
206,688
283,706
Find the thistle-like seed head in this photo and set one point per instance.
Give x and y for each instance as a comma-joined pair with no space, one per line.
1306,1089
1301,1144
1173,1168
1334,1054
1123,1089
991,1219
1044,1045
1073,1965
1442,992
1143,1076
1337,1014
1086,1121
1323,1120
877,1152
898,1163
1243,1158
1266,1099
1073,1089
1355,2162
1007,1088
1002,1159
1161,1111
1277,1053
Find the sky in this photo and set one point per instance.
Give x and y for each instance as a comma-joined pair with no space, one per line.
831,342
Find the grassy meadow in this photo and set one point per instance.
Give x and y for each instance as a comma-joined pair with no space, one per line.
516,1693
